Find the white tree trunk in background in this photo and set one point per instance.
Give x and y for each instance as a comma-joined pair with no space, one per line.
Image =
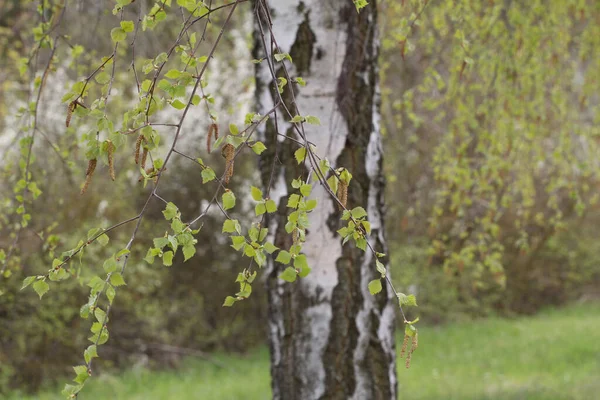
329,338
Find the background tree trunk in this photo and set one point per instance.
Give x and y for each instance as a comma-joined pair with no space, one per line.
329,338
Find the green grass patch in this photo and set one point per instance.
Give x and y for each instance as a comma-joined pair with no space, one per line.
552,356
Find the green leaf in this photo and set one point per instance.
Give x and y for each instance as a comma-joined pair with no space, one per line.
127,26
41,287
110,265
230,226
257,194
283,257
170,211
90,352
293,200
118,34
297,119
258,147
28,281
228,200
271,206
375,286
289,275
177,104
300,154
173,74
380,268
229,301
405,300
300,262
358,212
260,209
312,120
116,279
238,242
270,247
234,129
168,258
188,252
282,56
208,175
103,239
305,189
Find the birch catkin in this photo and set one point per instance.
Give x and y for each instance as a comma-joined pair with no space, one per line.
342,193
138,143
88,174
213,129
70,109
228,152
111,162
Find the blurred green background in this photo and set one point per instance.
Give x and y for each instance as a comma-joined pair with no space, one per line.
490,116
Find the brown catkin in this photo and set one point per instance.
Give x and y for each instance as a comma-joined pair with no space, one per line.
404,344
88,174
415,342
138,143
213,129
70,109
295,235
111,162
228,152
144,157
342,193
408,356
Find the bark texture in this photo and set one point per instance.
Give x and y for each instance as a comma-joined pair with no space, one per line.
329,338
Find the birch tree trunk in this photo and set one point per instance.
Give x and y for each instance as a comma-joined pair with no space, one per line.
329,338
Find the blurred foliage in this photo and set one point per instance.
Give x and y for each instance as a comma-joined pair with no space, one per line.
491,112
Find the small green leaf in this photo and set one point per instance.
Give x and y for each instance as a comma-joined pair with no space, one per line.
229,226
170,211
188,252
270,247
127,26
234,129
380,268
168,258
293,200
173,74
260,209
177,104
238,242
208,175
257,194
41,287
271,206
305,189
229,301
90,352
375,286
283,257
297,119
358,212
300,262
110,265
258,147
312,120
228,200
28,281
103,239
118,34
289,275
300,154
117,280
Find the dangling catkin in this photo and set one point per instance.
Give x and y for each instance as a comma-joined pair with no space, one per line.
111,164
295,235
228,151
404,344
70,109
138,143
144,156
342,193
88,174
212,129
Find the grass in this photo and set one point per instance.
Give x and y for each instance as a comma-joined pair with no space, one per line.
552,356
